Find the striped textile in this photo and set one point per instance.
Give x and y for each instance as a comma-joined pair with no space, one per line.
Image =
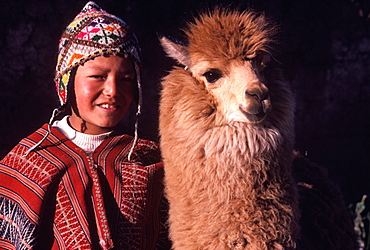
60,197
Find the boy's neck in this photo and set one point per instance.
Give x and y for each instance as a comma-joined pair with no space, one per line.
85,141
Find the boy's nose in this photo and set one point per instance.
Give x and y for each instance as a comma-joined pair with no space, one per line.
110,87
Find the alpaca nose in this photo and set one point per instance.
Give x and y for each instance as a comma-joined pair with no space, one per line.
260,93
257,94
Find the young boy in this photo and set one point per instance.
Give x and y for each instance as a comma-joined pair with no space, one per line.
78,182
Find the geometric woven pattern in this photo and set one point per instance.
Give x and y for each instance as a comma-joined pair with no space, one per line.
15,227
101,192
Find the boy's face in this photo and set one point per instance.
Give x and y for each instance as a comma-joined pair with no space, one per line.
103,92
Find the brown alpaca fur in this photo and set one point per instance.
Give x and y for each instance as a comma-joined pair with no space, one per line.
228,171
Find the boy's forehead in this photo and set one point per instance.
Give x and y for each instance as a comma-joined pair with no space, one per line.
108,63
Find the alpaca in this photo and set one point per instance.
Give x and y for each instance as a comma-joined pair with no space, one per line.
227,135
226,127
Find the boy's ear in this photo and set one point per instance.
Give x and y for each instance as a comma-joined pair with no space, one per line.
176,51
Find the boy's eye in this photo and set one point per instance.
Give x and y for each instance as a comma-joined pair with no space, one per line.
128,79
97,76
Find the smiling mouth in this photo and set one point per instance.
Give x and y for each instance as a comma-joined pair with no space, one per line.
108,106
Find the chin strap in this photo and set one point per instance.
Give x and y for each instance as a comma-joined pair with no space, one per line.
138,112
55,113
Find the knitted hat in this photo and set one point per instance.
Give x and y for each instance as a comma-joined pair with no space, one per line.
92,33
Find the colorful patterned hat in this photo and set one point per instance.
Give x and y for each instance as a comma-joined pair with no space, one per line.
92,33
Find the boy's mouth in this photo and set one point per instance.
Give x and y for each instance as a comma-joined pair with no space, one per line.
108,106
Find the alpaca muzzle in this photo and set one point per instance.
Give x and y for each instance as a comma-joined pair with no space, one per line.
257,105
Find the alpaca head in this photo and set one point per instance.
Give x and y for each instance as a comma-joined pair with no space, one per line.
229,53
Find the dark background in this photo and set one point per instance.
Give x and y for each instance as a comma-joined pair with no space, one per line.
326,58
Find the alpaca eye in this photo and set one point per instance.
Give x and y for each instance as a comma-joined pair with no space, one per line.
265,60
212,75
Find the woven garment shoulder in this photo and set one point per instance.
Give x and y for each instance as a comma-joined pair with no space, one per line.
49,190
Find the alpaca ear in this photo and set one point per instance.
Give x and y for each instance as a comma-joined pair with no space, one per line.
176,51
